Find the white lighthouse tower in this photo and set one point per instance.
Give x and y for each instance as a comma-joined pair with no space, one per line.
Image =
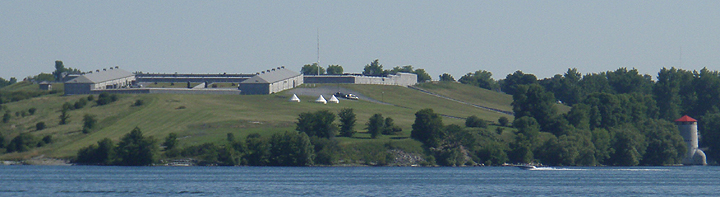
688,130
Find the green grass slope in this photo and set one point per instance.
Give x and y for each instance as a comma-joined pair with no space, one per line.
208,118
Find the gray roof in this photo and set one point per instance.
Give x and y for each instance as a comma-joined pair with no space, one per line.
272,76
101,76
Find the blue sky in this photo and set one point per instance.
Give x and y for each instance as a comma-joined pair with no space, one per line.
456,37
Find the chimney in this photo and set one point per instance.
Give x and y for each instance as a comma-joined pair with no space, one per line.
263,72
282,66
104,69
97,71
116,67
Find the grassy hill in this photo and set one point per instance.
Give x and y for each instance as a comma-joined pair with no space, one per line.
208,118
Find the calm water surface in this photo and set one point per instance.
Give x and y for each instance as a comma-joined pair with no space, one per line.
357,181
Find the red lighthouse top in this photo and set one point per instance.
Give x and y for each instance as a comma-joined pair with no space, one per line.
686,118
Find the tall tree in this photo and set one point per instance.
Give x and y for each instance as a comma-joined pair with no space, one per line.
291,149
422,76
335,70
312,69
136,150
319,123
347,122
374,69
480,78
533,101
447,77
428,128
59,69
512,81
375,125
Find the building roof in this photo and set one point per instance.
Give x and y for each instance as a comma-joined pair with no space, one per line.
686,118
272,76
101,76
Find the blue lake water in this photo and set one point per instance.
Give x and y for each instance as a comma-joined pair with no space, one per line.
357,181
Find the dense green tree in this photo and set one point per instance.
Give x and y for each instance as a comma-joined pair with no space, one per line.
258,151
319,123
312,69
665,146
533,101
422,76
59,69
673,93
6,117
390,128
602,141
22,143
503,121
707,89
327,151
136,150
511,82
44,77
474,121
89,123
347,122
64,116
40,126
171,141
447,77
595,82
374,69
626,81
492,154
629,145
291,149
428,128
480,78
335,70
375,125
105,98
100,154
404,69
710,132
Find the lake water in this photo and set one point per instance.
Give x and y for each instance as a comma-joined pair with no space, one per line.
357,181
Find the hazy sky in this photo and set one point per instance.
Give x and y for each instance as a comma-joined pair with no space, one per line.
457,37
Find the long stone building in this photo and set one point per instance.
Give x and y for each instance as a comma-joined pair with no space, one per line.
399,79
271,81
88,83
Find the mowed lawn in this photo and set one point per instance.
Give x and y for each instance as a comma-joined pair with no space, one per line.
199,119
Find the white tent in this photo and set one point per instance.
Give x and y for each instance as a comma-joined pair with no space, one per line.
295,98
321,99
333,99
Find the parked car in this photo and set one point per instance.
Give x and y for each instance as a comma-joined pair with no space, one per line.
346,96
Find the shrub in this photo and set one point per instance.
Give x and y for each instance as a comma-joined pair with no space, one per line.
32,111
90,98
503,121
89,123
474,121
139,102
40,126
6,117
47,139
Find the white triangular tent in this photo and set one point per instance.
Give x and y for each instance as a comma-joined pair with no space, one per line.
321,99
333,99
295,98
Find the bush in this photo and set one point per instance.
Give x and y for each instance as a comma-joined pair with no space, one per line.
22,143
139,102
474,121
106,98
90,98
503,121
40,126
6,117
89,123
47,139
32,111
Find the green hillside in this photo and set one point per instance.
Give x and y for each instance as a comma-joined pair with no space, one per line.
208,118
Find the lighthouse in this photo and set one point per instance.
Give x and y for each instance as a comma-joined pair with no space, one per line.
689,132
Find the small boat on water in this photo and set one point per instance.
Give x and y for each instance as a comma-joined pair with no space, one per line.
527,167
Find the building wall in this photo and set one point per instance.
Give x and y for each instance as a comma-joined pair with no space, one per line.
254,88
285,84
400,79
115,83
78,88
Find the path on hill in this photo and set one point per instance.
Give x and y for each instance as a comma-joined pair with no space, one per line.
462,102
